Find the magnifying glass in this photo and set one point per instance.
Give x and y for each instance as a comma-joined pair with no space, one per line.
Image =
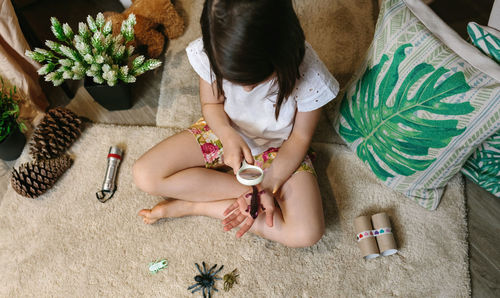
249,174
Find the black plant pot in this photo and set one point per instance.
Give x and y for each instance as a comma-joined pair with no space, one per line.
12,146
113,98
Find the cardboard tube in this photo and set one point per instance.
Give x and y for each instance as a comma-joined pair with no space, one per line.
383,233
366,242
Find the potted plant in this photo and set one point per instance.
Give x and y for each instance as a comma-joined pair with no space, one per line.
105,61
12,140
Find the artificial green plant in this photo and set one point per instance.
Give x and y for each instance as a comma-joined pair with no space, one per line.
9,112
93,52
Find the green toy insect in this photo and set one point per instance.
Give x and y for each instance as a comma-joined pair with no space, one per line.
156,266
230,279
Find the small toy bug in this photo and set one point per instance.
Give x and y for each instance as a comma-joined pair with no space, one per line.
156,266
230,279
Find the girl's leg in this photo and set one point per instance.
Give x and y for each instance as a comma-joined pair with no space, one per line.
175,168
299,221
180,208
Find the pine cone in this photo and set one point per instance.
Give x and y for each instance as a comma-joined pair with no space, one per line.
36,177
58,130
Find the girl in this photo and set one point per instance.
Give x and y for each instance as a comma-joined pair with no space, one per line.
261,90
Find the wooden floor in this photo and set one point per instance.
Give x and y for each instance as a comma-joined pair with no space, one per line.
484,241
483,208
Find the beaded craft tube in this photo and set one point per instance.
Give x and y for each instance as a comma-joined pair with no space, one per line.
366,240
384,236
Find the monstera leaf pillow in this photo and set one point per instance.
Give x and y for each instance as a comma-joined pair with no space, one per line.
486,39
483,167
423,101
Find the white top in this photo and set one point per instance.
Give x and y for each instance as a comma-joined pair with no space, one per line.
252,113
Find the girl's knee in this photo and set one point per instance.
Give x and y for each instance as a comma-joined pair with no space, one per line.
143,178
305,235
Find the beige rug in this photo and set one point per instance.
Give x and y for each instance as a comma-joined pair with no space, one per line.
67,244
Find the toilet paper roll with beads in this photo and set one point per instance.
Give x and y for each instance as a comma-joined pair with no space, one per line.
383,233
365,237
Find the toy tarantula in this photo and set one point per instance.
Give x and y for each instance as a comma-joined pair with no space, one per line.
206,280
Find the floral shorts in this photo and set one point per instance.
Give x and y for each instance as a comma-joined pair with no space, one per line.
212,150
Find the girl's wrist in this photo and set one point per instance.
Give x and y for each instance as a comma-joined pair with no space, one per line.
270,186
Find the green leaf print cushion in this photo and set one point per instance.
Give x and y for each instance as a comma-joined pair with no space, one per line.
483,167
422,102
394,131
486,39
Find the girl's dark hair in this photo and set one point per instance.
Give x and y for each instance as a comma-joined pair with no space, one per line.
247,40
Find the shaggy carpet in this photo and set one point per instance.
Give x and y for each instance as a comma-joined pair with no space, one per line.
66,243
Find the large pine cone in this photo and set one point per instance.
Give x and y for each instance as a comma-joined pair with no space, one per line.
36,177
58,130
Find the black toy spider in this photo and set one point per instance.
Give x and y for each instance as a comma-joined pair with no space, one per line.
206,280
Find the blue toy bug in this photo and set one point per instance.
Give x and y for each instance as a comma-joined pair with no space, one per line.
206,280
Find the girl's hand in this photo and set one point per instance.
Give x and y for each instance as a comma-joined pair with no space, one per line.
240,212
267,205
235,149
238,216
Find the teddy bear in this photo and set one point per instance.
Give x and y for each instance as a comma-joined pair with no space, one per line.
155,19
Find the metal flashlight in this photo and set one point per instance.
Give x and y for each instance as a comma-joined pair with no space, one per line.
109,185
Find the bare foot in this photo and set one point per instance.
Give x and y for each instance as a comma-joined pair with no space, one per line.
167,208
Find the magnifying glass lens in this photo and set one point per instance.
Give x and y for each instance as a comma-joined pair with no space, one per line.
250,174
